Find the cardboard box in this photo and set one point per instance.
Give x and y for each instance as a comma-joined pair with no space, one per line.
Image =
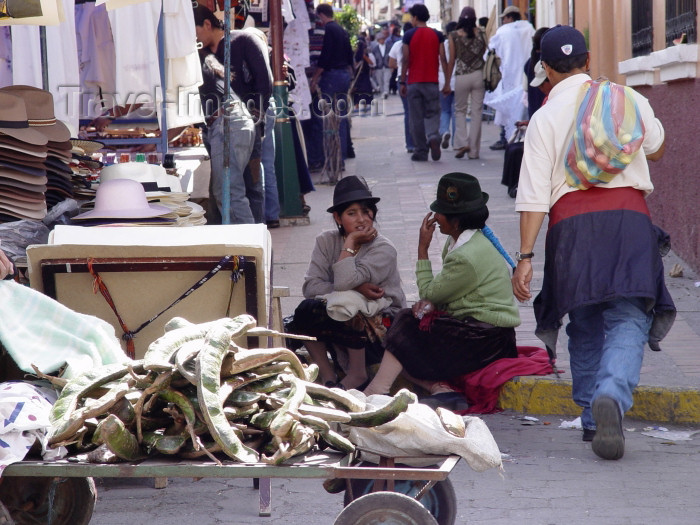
146,269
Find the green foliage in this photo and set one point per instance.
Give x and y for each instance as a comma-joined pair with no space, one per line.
350,21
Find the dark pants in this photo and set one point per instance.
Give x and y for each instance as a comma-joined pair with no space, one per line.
406,127
334,85
424,111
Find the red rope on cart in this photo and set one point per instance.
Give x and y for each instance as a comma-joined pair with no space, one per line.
98,284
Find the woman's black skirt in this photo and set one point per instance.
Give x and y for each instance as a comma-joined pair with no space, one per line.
449,348
360,332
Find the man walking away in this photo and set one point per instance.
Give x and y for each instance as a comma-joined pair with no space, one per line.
602,262
422,53
333,69
512,43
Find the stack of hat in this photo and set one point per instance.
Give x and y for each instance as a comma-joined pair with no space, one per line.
41,117
86,170
23,151
160,188
123,202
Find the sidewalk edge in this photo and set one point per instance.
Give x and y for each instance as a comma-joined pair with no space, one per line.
537,395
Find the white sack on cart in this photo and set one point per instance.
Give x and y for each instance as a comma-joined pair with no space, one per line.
24,418
418,431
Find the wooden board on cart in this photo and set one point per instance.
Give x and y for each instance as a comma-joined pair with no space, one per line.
147,268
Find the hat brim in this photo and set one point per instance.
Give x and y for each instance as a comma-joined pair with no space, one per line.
153,210
538,81
57,132
28,135
440,207
357,196
88,146
35,172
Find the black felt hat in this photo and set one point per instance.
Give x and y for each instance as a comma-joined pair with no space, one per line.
351,189
459,193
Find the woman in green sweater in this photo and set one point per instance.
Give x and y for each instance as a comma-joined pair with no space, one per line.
466,315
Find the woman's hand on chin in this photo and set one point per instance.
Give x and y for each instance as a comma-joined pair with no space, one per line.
359,237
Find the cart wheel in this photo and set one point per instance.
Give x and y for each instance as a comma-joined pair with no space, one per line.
440,500
385,508
59,501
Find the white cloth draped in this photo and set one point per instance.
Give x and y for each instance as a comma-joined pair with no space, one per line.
296,46
513,44
64,71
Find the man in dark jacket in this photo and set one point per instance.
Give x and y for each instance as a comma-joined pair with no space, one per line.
333,71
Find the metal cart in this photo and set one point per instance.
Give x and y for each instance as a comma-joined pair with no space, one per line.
63,492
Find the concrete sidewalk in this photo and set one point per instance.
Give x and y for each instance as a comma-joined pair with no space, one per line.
669,387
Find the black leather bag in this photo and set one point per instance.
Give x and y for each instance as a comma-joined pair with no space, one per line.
511,162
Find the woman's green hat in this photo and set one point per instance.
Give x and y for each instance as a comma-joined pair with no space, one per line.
459,193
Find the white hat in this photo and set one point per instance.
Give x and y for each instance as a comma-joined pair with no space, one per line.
540,75
153,177
122,199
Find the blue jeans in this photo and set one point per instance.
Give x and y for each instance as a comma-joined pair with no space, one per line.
334,85
241,146
606,345
447,114
406,127
272,201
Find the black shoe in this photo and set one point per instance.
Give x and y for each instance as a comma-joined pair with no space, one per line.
498,145
351,154
272,224
588,434
609,441
435,149
446,140
419,158
409,150
453,401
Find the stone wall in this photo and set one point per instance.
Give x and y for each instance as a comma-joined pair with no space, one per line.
675,203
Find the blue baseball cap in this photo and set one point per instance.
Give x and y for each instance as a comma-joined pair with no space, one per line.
561,42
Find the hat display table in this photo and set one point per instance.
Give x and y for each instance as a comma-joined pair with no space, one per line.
147,269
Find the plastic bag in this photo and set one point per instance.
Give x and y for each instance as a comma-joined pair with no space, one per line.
419,431
17,235
607,135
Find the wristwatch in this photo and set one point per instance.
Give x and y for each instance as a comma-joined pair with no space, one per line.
520,256
350,251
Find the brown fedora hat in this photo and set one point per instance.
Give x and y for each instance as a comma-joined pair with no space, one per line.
10,146
13,121
40,112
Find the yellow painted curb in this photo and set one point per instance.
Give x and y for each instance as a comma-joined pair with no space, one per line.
538,395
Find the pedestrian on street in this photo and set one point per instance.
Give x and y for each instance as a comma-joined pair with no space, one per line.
333,72
396,62
466,316
423,51
251,88
381,72
467,46
602,263
512,43
447,101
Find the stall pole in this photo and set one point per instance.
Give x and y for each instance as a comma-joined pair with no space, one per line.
44,59
163,87
285,159
226,181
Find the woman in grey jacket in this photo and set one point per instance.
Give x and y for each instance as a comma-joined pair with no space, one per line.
354,276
